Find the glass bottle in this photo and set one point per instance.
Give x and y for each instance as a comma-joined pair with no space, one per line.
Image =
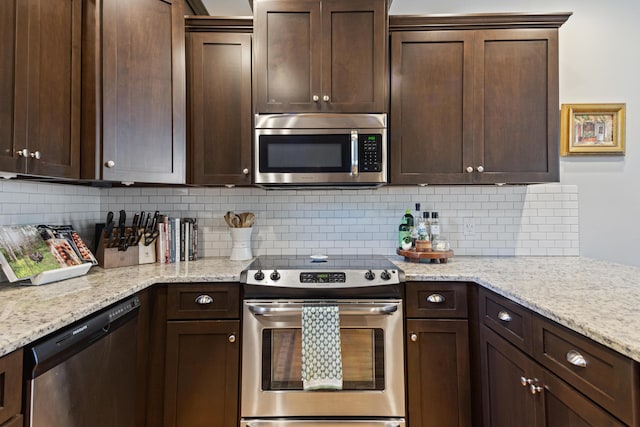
423,227
435,226
414,229
404,230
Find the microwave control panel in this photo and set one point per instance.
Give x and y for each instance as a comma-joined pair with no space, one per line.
370,152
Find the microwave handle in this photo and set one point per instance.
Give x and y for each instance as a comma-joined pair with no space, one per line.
296,310
354,153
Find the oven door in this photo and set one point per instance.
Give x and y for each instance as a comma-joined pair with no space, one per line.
371,334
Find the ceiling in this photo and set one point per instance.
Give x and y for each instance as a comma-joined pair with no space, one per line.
228,7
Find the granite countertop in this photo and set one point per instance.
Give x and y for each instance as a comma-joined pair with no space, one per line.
595,298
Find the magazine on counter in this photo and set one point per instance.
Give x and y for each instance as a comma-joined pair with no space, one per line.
23,253
27,251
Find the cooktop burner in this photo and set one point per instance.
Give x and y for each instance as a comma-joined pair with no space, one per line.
313,272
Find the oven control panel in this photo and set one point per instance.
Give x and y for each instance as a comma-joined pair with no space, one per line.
323,277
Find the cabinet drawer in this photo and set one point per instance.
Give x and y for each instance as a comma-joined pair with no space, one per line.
10,385
607,377
203,301
436,300
508,319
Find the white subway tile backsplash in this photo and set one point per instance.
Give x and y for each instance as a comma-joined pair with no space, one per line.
508,221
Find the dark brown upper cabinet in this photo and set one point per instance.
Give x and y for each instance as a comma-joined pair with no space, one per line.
134,91
320,56
474,99
219,100
40,87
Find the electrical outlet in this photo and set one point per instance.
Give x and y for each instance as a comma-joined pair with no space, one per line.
469,228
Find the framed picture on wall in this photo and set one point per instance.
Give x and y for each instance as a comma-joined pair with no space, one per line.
592,129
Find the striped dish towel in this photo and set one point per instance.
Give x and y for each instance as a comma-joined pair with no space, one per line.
321,351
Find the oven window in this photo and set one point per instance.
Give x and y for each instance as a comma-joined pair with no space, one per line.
362,359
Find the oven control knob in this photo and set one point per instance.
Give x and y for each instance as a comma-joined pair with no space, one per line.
385,275
259,275
275,275
369,275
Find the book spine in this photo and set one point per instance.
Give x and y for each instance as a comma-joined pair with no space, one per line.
183,239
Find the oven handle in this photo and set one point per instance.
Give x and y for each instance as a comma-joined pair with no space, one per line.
347,310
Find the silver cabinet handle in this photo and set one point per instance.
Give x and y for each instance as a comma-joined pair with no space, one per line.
524,381
504,316
23,153
469,169
535,389
436,299
204,299
315,98
413,336
35,155
576,359
325,98
110,163
232,338
480,169
245,171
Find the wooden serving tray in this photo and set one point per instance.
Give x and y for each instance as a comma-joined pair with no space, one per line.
433,256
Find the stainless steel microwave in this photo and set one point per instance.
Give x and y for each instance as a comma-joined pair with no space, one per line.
320,149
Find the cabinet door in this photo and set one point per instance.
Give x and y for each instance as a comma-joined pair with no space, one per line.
9,159
10,385
516,126
438,373
431,113
354,47
202,374
566,407
46,81
287,54
220,108
136,88
506,401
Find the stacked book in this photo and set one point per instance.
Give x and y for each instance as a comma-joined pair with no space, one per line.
177,239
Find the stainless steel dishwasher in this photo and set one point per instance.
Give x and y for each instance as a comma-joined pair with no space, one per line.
85,374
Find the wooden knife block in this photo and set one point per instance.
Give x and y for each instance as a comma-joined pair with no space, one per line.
112,257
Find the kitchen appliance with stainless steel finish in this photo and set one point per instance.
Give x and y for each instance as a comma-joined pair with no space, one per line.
320,150
367,292
85,374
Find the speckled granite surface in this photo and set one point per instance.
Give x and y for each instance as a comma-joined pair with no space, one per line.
595,298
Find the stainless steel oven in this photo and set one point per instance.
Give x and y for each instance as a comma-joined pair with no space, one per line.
371,335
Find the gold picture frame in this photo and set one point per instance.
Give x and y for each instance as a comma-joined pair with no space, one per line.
587,129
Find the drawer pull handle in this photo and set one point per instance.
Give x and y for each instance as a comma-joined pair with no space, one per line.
232,338
204,299
576,359
504,316
436,299
413,336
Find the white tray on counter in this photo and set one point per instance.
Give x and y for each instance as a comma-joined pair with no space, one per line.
60,274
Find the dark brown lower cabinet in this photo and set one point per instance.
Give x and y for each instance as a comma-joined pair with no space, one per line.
517,391
438,375
201,378
11,389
